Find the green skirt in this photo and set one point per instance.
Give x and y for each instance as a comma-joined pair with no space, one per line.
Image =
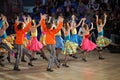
70,47
102,41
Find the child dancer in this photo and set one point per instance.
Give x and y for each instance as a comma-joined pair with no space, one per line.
74,37
70,47
20,33
34,45
86,44
101,41
50,40
4,43
59,41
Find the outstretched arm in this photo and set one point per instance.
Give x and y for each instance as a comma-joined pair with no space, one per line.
37,25
42,22
6,25
96,19
91,27
28,25
83,22
24,19
105,16
79,23
60,19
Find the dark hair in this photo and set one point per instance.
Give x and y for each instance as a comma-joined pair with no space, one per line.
49,25
85,26
65,25
20,26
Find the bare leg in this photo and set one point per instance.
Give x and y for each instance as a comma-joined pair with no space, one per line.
33,55
43,55
100,54
84,56
65,61
58,50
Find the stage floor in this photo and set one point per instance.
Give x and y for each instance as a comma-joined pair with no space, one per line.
94,69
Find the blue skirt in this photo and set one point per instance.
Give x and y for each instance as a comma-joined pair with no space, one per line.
59,42
76,39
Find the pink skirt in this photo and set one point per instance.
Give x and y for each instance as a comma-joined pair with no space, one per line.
88,45
34,45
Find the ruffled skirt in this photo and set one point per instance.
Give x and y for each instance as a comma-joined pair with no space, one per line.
103,41
76,39
59,42
34,44
88,45
70,47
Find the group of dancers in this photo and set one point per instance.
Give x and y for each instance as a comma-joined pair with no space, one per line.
51,38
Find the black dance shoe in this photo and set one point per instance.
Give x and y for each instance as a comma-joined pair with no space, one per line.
8,59
1,56
49,70
65,65
44,57
73,56
101,58
84,60
23,60
16,69
30,64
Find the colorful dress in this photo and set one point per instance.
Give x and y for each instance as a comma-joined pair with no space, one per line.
101,40
75,38
43,37
69,47
34,44
59,41
4,36
87,45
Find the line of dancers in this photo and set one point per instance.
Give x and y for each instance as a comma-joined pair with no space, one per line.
57,35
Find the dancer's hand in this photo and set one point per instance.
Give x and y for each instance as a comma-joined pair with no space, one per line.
60,19
84,19
96,16
43,16
105,15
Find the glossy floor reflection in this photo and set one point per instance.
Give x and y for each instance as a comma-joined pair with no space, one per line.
94,69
